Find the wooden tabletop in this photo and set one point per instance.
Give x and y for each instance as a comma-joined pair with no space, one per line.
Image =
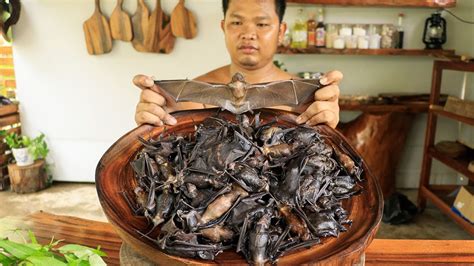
380,252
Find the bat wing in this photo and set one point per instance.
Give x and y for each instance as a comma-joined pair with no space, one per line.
286,92
185,90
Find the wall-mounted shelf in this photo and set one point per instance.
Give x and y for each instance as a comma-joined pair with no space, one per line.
389,51
390,3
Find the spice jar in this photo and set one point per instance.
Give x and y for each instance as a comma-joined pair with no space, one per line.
338,42
331,34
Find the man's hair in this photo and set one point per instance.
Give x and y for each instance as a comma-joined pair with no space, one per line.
280,7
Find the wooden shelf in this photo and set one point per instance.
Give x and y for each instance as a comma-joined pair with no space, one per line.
438,110
426,190
392,3
414,107
458,164
388,51
439,196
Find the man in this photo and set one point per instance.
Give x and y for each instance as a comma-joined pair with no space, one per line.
253,29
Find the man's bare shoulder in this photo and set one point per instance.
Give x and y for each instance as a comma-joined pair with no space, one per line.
219,75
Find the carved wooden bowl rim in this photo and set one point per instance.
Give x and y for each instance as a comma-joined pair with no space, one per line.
114,175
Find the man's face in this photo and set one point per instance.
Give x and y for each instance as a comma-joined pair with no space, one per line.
252,32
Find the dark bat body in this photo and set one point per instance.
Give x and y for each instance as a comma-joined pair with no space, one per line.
238,96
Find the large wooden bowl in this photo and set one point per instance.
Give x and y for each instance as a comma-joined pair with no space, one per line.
114,175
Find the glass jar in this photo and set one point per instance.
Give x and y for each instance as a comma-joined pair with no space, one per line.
388,36
374,41
339,42
345,30
360,30
351,42
363,42
331,34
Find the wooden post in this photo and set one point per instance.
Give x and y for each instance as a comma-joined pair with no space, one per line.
27,179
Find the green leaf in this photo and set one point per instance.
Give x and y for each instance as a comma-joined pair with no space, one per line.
45,261
6,261
34,246
32,237
96,260
17,250
72,248
70,258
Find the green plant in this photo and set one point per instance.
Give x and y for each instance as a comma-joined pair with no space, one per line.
280,65
37,146
33,253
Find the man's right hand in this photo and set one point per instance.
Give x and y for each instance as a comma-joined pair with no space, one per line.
152,107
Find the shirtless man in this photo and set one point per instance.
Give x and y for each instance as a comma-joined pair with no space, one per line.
253,29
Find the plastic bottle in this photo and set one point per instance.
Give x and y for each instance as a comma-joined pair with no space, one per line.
299,35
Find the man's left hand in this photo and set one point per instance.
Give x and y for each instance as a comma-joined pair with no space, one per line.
325,108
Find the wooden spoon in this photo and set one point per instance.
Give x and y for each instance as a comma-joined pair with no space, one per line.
97,32
183,23
140,21
120,24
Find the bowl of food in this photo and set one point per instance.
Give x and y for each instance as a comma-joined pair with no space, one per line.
217,188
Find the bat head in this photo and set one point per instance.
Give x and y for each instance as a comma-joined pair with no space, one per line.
238,77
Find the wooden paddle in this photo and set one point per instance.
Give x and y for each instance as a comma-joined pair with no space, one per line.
140,22
97,32
183,23
120,24
152,38
167,39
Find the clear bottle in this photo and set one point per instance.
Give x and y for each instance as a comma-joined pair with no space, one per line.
299,34
320,30
400,32
311,24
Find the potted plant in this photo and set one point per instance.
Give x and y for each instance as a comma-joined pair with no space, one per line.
27,150
29,174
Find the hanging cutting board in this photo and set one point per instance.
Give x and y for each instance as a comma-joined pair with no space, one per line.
152,38
97,32
167,39
183,23
140,22
120,24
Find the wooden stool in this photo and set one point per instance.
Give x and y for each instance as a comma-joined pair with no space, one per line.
27,179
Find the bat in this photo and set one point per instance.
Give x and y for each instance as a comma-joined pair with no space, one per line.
238,96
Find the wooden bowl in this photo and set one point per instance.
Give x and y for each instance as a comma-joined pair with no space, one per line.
114,175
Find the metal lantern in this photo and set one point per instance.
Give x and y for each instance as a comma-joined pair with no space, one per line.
434,34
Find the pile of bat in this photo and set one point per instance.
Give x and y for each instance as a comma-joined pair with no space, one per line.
260,189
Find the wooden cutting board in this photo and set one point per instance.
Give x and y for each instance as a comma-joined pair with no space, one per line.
167,39
183,23
140,22
120,24
97,32
152,38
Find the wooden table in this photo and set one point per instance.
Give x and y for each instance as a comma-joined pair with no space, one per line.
380,252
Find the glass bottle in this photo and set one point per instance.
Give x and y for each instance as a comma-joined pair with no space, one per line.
299,35
320,30
400,31
311,31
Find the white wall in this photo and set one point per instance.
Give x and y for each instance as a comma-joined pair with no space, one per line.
84,103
